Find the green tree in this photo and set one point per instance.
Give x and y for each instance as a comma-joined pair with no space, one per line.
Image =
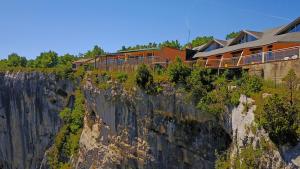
144,78
3,63
172,44
232,35
250,84
291,81
200,40
178,71
278,119
14,60
96,51
47,60
199,83
66,59
147,46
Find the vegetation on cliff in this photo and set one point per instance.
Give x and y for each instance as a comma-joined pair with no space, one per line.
66,141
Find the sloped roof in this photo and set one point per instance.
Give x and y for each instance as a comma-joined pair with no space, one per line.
263,38
218,41
285,28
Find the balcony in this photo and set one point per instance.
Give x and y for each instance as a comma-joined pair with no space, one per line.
258,58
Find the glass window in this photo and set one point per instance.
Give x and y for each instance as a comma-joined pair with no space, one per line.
246,38
212,47
295,28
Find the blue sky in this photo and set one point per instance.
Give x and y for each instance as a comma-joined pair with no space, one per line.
75,26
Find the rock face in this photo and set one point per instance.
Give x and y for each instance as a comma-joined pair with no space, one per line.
142,131
272,157
29,106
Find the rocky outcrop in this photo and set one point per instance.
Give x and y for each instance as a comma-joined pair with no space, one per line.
245,133
136,130
29,106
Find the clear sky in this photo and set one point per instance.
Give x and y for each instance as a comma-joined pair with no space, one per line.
29,27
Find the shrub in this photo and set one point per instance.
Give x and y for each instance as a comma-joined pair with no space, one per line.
199,83
66,142
80,72
144,78
122,77
278,119
178,71
250,84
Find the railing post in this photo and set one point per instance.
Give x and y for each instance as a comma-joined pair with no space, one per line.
220,64
299,52
263,57
239,61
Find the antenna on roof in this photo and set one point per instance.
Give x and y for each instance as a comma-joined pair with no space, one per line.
189,35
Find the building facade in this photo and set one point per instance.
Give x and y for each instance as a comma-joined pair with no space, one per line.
252,47
129,60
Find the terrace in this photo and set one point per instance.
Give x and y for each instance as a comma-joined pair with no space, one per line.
258,58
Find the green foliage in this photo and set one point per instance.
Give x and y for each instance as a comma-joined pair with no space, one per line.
172,44
80,72
199,83
232,35
66,142
144,78
14,60
250,84
65,114
222,96
96,51
77,113
122,77
178,71
136,47
200,40
278,119
46,60
248,158
291,81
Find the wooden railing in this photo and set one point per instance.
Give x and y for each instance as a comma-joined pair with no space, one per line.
258,58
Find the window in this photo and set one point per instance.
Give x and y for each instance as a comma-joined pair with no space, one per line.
212,47
246,38
294,28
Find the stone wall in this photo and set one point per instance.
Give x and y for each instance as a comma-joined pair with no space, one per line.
275,70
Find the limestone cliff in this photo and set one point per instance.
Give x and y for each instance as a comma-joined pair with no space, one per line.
136,130
29,106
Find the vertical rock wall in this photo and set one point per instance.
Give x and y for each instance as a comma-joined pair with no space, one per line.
29,107
137,130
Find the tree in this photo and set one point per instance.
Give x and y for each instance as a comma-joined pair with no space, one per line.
278,119
66,59
178,71
291,81
47,60
14,60
147,46
232,35
96,51
172,44
143,78
200,40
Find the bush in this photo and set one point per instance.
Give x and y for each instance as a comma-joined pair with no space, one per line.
80,72
178,71
278,119
122,77
199,83
250,84
144,78
66,142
